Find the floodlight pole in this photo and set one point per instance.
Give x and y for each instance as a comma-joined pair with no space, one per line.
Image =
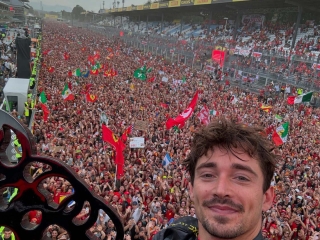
161,27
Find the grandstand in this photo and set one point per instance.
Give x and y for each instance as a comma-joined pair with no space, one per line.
267,40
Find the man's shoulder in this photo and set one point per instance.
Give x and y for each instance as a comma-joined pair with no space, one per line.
185,228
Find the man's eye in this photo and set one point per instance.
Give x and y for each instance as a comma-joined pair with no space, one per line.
242,178
207,175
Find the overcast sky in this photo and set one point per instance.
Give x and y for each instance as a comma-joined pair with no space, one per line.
91,5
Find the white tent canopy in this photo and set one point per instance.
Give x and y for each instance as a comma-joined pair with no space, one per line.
16,90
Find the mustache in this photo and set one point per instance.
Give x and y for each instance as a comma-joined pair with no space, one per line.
223,201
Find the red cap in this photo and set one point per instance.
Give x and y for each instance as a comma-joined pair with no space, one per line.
274,225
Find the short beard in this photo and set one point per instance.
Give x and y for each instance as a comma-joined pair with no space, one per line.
216,231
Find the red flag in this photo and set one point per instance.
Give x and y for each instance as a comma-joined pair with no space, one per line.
290,100
66,56
109,137
124,136
69,85
183,117
96,56
91,60
151,79
218,56
107,73
69,73
121,33
276,139
91,97
51,69
87,87
94,72
164,105
110,55
45,111
46,52
120,162
203,115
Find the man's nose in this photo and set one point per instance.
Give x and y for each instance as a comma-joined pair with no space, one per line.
222,186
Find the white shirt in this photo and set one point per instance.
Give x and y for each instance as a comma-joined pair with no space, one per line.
136,214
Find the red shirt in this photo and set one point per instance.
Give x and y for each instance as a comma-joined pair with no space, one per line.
169,214
35,214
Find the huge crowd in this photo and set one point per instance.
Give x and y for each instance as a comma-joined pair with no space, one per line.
273,40
151,196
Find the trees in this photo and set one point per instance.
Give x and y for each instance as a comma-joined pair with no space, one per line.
66,15
76,12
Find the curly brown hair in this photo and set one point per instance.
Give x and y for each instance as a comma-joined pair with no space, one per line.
234,137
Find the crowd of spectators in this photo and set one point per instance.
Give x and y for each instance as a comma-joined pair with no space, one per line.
273,40
7,61
151,196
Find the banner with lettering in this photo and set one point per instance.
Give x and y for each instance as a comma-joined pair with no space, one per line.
210,68
154,6
316,66
257,55
201,2
186,2
174,3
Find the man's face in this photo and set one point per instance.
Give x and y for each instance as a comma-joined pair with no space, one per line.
7,234
228,195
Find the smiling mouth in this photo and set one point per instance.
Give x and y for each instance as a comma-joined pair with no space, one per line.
222,209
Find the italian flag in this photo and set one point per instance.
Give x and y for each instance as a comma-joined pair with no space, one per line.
77,72
300,99
213,113
280,135
67,94
43,97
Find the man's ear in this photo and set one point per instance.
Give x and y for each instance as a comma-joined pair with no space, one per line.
191,191
268,199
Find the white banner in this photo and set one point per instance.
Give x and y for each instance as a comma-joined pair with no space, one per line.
242,51
165,79
257,55
177,82
316,66
210,68
137,142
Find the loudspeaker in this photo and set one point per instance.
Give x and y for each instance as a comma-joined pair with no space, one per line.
23,57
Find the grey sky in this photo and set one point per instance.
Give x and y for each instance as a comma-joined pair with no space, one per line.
91,5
